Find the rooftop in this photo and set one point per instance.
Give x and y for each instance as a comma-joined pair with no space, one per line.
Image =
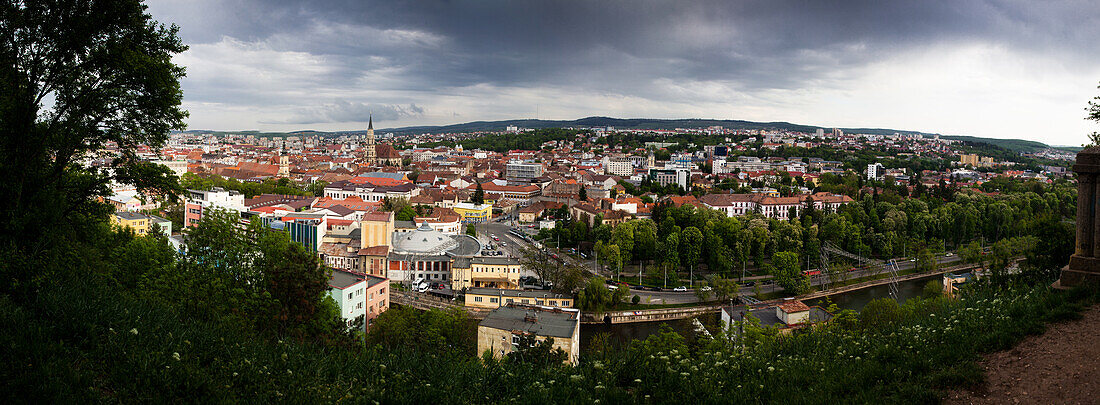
516,293
341,279
540,321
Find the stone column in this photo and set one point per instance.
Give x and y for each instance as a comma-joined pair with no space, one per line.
1084,265
1086,215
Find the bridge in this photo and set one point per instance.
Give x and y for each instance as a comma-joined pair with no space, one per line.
647,315
426,302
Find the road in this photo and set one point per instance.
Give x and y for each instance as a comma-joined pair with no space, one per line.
681,297
667,296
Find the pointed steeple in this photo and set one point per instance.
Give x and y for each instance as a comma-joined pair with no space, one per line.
370,121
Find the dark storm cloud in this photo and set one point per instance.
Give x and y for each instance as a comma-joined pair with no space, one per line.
621,45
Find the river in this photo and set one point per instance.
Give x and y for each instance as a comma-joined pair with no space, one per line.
855,300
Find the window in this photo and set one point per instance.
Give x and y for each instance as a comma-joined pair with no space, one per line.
553,303
349,296
477,299
515,340
494,300
509,301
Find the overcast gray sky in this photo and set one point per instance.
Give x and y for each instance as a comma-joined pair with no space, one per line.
1004,69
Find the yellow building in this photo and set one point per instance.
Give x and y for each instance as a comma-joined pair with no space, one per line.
485,272
489,298
975,160
140,223
500,332
376,229
474,213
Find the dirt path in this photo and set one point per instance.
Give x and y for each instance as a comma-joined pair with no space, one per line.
1061,366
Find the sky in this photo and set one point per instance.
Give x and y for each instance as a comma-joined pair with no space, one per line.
1003,69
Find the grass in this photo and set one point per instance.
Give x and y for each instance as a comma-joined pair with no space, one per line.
89,344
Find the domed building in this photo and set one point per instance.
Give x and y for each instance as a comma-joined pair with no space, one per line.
425,253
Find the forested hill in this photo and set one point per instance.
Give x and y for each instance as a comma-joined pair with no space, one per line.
1014,145
626,123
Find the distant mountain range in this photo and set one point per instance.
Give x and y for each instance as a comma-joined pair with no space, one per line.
1015,145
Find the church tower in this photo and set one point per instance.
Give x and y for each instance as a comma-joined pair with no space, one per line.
284,163
370,153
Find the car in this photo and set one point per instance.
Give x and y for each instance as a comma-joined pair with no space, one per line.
706,288
612,287
913,260
680,289
949,254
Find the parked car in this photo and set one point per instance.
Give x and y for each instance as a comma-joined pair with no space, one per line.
706,288
680,289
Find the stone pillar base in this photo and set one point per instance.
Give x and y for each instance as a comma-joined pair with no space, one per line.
1080,271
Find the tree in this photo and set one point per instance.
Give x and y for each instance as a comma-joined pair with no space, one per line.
702,291
433,330
879,313
690,248
479,195
583,194
724,289
77,76
297,283
471,230
971,252
623,236
595,296
539,262
538,353
317,188
785,269
407,213
1094,115
250,275
926,261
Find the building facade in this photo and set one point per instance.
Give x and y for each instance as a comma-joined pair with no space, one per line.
501,331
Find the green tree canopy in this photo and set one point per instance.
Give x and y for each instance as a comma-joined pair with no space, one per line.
77,76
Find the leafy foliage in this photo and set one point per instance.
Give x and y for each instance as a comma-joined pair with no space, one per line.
77,77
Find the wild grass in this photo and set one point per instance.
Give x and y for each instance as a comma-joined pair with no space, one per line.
84,343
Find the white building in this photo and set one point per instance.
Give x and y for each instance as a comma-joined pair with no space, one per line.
179,167
875,171
369,192
617,166
671,175
200,201
522,172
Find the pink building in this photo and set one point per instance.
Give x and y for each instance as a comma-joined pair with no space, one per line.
359,295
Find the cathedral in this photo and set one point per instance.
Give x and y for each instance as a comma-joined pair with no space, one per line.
379,153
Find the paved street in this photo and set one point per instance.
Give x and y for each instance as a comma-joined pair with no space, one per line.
667,296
